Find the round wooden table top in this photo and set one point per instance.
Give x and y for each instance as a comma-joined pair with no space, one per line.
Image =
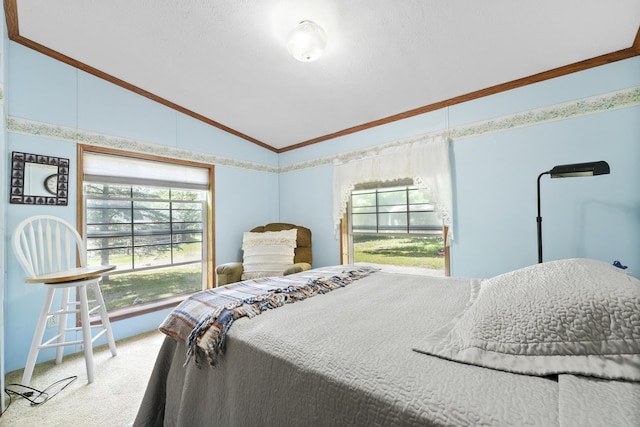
71,275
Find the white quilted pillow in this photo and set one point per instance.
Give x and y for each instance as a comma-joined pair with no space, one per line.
576,316
268,253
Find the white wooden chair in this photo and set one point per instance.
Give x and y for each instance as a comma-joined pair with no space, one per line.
52,252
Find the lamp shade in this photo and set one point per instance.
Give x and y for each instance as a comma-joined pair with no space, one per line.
306,41
580,169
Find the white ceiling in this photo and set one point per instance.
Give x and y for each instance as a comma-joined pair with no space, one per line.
226,60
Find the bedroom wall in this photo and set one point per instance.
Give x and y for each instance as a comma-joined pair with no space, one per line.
3,196
500,144
524,131
47,101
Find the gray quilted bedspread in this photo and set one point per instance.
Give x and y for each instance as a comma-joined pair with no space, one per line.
345,359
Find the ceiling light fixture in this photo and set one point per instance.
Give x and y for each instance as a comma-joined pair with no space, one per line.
306,41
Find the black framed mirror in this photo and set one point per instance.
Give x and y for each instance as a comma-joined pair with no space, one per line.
39,180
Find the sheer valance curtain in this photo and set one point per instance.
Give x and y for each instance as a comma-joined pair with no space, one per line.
425,159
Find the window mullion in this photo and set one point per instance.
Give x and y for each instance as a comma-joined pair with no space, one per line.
406,193
377,212
133,237
171,227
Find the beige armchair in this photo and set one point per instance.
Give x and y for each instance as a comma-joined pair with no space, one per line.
231,272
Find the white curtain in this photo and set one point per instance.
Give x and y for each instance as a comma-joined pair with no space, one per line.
426,160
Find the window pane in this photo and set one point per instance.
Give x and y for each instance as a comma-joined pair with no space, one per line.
425,207
151,212
186,227
108,203
392,197
150,193
364,222
186,212
392,222
187,195
106,219
107,190
425,221
417,196
152,240
148,220
184,252
149,256
120,257
368,209
102,230
363,199
96,243
187,237
393,208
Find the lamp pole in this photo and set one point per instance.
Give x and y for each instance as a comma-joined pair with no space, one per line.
539,220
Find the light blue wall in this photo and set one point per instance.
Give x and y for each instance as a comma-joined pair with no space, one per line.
305,199
594,217
244,200
49,92
3,196
494,174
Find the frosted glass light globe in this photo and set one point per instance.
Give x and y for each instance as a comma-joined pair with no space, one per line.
307,41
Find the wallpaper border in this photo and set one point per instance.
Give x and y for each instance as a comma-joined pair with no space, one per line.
590,105
33,128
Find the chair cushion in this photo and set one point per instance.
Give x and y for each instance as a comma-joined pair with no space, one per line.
303,252
268,253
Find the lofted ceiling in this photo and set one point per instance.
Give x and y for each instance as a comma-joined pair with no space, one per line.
225,61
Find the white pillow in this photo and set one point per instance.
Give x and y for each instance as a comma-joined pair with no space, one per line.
268,253
575,316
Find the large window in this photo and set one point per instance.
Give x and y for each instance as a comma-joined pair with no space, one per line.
150,218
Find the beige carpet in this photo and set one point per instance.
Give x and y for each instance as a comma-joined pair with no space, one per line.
111,400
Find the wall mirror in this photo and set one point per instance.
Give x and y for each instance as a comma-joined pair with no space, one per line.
39,180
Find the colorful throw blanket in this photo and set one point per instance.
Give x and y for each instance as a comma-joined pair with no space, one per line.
203,319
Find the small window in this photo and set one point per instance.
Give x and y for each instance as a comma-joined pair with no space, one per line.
395,210
395,227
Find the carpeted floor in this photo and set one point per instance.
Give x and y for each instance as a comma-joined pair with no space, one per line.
111,400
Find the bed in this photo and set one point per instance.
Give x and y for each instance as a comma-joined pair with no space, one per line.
554,344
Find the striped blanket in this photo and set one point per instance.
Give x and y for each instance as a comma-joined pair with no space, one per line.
204,318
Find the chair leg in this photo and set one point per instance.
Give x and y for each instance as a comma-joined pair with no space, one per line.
104,316
86,332
62,325
37,337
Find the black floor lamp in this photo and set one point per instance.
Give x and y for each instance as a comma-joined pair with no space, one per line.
567,171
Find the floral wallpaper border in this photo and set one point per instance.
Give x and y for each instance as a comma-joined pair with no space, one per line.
591,105
33,128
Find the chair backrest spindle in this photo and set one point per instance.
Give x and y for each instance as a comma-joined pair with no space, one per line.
47,244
